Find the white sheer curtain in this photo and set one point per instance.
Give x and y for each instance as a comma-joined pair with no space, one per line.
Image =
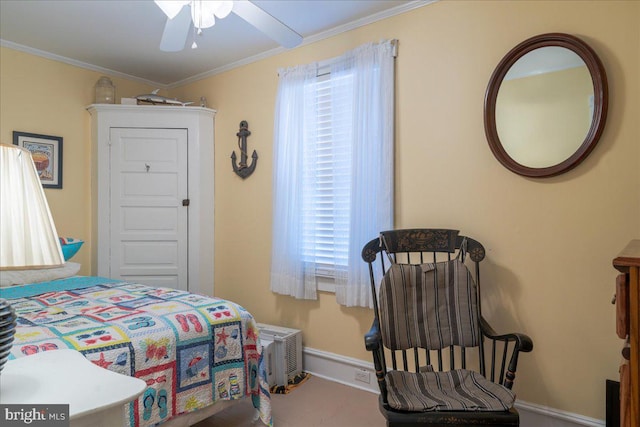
371,188
294,127
361,87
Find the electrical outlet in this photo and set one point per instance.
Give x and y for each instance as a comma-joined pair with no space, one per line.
363,375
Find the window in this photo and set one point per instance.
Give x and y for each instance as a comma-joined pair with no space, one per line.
326,181
333,172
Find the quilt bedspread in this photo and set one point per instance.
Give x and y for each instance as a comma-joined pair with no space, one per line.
190,349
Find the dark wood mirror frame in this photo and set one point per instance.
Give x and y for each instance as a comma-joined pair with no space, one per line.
600,94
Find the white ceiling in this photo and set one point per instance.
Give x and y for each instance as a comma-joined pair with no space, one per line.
122,37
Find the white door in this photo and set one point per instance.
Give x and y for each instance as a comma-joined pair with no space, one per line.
148,222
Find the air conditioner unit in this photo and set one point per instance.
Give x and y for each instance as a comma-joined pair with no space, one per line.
282,350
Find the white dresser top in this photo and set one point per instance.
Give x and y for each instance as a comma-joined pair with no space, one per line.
66,377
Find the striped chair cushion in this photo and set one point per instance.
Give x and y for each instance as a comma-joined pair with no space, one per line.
429,306
458,390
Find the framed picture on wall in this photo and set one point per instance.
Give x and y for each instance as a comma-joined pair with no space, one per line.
46,152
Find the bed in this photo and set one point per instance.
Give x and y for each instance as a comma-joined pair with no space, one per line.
196,353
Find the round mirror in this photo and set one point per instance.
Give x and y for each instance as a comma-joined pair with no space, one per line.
546,105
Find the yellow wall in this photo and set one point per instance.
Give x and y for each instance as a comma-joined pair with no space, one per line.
48,97
549,242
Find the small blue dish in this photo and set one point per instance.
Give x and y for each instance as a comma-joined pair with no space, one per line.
70,246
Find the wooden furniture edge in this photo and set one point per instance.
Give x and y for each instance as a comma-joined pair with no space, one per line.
628,257
628,262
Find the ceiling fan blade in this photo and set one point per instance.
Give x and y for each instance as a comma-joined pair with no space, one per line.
266,23
176,31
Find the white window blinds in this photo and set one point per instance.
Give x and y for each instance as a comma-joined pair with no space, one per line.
327,179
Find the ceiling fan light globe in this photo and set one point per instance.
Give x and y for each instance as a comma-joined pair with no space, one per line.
171,8
222,8
202,14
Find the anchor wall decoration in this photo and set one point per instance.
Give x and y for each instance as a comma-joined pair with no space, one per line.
242,169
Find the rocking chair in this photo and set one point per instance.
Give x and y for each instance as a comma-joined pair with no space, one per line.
448,366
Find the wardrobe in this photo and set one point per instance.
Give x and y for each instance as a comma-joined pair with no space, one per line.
153,194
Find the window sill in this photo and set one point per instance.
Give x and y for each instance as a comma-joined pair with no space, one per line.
326,284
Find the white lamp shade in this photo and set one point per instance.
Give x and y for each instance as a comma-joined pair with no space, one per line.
28,236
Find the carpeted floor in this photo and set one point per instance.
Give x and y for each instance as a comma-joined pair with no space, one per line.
314,403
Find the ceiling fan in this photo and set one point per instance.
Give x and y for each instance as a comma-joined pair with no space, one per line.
183,14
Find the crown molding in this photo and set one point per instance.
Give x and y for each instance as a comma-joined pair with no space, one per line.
406,7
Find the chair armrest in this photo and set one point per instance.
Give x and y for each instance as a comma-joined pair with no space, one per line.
373,343
522,341
373,339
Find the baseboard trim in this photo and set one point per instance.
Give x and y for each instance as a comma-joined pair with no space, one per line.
342,369
532,415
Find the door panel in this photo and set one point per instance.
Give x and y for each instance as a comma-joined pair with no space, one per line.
149,257
154,187
145,219
148,175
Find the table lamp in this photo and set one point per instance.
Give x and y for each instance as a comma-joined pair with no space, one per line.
28,236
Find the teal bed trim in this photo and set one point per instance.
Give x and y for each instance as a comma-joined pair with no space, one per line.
76,282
